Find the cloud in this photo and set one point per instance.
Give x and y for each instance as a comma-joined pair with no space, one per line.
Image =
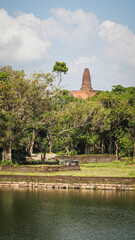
75,37
77,24
120,42
21,39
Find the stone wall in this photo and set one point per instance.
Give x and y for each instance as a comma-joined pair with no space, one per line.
39,169
92,186
92,158
83,93
69,179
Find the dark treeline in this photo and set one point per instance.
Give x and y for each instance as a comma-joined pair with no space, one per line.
37,116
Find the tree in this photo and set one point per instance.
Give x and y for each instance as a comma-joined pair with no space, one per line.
33,109
118,89
23,101
74,117
112,118
13,87
101,122
59,68
131,132
38,102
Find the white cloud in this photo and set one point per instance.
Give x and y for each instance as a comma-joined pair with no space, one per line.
75,37
21,39
77,24
71,28
120,42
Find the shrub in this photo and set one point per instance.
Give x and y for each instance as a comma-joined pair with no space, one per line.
61,154
73,152
7,163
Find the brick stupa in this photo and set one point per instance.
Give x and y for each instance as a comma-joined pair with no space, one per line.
86,89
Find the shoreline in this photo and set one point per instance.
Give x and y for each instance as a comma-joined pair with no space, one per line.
67,182
39,185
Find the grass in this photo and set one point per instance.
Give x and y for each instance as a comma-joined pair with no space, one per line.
107,169
112,169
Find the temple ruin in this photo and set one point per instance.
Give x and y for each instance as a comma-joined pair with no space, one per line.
86,88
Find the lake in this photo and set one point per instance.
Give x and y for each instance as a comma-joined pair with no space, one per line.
66,215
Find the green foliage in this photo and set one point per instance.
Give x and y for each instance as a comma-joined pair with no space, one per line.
131,173
7,163
16,164
73,152
60,67
22,102
35,114
60,153
118,89
126,146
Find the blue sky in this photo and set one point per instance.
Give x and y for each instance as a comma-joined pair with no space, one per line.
98,34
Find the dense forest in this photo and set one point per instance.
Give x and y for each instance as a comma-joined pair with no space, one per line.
37,116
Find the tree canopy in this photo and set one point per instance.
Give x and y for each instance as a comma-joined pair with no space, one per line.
37,116
59,68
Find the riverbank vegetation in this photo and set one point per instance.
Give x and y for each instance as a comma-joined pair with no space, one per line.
37,116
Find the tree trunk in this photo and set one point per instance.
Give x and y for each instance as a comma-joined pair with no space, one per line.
42,158
43,155
7,153
110,147
87,148
134,151
51,144
102,148
60,78
117,148
67,149
32,142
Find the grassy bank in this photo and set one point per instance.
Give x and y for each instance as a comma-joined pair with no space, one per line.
108,169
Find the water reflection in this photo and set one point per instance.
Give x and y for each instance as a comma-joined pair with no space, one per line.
66,214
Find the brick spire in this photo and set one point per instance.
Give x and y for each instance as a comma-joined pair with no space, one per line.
86,81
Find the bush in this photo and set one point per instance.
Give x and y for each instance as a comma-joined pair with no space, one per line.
16,164
7,163
61,154
73,152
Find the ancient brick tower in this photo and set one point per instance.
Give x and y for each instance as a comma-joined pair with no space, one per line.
86,89
86,81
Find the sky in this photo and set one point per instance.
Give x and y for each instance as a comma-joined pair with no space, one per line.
94,34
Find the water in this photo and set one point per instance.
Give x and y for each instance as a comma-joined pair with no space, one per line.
66,215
